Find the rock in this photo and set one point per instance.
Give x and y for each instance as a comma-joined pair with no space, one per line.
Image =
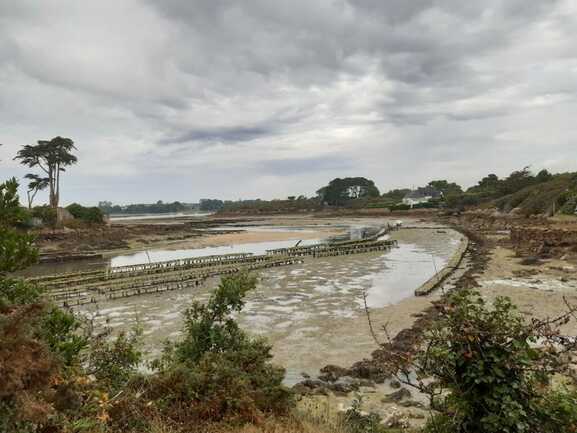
341,389
306,375
395,419
397,396
530,261
332,373
395,384
309,387
412,403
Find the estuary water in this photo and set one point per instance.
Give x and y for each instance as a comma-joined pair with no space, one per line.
313,313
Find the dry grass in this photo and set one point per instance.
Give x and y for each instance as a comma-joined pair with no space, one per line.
292,424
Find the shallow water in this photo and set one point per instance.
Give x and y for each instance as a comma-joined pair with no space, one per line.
119,218
313,314
163,255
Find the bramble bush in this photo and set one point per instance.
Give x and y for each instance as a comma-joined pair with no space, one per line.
486,370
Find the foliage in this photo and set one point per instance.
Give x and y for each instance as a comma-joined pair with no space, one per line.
114,362
11,214
300,204
59,329
542,198
46,214
50,156
339,191
17,292
356,421
134,209
400,206
396,195
209,327
210,205
92,215
16,248
488,373
445,187
36,184
216,371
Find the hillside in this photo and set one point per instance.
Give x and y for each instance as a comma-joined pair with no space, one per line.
558,195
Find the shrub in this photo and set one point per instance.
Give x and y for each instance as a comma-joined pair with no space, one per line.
92,215
488,374
217,372
400,207
17,292
46,214
569,206
60,330
114,362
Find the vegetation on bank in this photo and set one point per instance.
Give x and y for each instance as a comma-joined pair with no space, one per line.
485,369
159,207
522,192
58,375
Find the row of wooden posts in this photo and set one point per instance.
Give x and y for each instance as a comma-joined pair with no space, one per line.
79,288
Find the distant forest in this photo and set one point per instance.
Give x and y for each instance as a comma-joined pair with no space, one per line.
141,208
524,191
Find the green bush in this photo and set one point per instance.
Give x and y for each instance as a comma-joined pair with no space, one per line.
489,375
46,214
114,362
60,331
569,206
17,292
400,207
217,372
92,215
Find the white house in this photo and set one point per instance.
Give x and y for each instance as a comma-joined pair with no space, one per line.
421,195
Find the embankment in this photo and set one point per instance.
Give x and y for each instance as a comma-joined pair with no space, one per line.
453,263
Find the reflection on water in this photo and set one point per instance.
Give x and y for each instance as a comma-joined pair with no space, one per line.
163,255
120,218
313,314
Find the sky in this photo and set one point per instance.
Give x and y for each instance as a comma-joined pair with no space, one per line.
188,99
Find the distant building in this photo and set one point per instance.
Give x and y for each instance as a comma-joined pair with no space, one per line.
421,195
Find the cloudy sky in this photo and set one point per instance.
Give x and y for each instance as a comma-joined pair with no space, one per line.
184,99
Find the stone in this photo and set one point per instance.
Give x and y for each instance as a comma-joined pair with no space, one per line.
332,373
398,395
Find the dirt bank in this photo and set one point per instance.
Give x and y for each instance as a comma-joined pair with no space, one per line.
191,232
530,260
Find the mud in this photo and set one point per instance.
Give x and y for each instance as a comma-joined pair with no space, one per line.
530,260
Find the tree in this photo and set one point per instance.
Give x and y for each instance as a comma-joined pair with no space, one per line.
543,176
339,191
51,157
396,195
516,181
36,184
445,187
16,249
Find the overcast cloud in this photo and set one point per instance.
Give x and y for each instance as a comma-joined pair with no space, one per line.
185,99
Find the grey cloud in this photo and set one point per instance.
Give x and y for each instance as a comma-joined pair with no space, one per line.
299,166
301,86
225,135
